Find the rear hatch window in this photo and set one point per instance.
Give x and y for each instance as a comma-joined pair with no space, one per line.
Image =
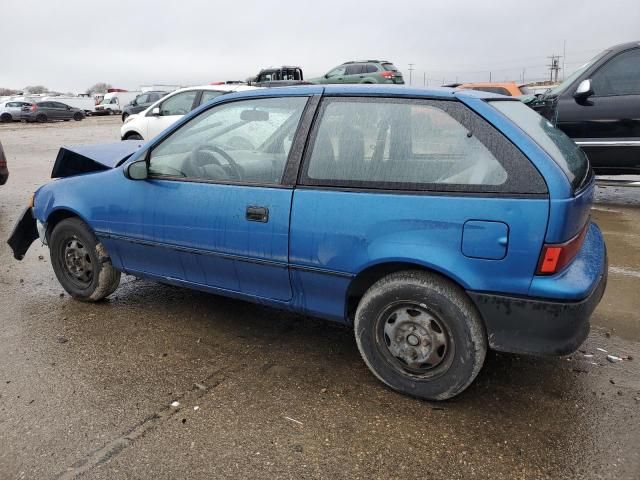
561,148
389,67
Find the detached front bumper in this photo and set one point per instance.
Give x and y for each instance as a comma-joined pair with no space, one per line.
23,235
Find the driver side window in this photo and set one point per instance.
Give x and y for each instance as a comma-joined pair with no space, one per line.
244,141
179,104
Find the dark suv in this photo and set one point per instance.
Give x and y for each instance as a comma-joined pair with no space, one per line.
141,102
597,106
365,71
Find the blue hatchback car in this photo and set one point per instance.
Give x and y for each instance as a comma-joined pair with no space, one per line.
439,223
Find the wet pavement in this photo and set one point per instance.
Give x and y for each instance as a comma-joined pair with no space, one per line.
86,389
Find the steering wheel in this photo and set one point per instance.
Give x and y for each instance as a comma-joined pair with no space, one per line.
194,162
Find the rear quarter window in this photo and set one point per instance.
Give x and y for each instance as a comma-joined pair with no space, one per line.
569,157
413,145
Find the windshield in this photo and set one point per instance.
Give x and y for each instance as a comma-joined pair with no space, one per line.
571,78
561,148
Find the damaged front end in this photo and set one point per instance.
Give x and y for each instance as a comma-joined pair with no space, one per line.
79,159
24,234
71,161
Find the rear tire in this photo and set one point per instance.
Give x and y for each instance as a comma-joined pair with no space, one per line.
41,118
81,262
134,136
420,334
77,116
6,117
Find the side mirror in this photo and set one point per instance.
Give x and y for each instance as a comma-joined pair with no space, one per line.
137,170
155,112
584,90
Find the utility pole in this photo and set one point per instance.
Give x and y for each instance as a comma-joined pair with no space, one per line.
564,56
411,72
424,79
554,67
489,76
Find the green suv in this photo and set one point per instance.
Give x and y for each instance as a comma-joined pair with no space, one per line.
365,71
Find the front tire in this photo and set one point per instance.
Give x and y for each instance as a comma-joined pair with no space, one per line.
420,334
81,262
124,117
6,117
41,118
134,136
77,116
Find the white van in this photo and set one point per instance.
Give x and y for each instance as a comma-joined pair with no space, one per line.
114,102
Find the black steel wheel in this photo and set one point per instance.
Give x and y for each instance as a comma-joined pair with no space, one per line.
80,262
419,333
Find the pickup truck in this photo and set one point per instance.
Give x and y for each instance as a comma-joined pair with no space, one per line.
278,77
597,107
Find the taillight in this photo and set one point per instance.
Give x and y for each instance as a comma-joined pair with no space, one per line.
555,257
34,107
387,74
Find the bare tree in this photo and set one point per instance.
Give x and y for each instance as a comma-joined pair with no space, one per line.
8,91
36,89
100,87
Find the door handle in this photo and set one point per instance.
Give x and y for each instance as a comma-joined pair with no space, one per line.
257,214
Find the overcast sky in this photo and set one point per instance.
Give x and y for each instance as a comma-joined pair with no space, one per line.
68,45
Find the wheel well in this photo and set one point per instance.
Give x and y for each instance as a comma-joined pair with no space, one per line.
129,134
365,279
56,217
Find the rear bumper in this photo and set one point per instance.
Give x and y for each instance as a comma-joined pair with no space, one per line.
538,327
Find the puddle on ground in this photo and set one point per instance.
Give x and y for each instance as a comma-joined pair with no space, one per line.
619,309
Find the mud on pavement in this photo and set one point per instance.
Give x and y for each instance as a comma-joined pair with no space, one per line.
86,391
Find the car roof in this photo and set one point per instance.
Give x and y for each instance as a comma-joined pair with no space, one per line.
382,90
623,46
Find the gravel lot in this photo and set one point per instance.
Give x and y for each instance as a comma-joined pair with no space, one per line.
86,390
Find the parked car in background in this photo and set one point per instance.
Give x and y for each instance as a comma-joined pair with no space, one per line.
84,103
598,106
141,102
11,110
4,170
510,89
114,102
438,223
278,77
50,110
365,71
157,117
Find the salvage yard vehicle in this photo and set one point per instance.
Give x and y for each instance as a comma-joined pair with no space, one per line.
278,77
50,110
510,89
162,114
4,171
438,223
84,102
363,71
142,102
11,110
115,102
598,106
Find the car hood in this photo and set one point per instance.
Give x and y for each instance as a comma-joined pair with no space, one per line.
78,159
